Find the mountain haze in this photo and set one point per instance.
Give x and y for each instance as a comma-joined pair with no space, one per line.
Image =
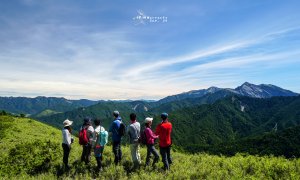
38,104
45,106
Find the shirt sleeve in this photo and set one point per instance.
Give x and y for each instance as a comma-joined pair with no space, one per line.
152,135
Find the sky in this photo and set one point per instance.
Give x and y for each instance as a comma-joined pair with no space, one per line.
135,49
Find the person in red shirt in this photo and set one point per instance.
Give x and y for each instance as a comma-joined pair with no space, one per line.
163,130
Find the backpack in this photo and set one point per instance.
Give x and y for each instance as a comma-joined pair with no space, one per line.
83,139
143,138
122,129
103,138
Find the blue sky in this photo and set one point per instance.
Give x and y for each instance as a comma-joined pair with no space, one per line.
101,50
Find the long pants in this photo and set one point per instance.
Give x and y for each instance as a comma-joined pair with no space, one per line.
151,150
86,153
135,154
99,162
117,151
166,156
67,150
98,151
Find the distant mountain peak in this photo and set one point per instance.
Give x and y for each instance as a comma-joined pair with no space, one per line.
247,84
246,89
262,90
213,88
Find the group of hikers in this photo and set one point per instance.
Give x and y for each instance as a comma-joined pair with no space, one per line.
95,138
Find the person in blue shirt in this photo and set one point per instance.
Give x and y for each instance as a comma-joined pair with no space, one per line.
116,137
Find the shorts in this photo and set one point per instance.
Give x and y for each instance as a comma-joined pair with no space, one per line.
98,151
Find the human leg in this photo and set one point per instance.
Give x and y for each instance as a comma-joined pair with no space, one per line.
163,153
88,153
148,154
83,154
155,153
66,150
169,155
117,152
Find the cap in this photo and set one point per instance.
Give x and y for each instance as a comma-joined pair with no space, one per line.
164,115
148,119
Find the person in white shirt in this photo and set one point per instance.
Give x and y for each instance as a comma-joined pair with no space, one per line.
98,148
134,135
86,152
67,141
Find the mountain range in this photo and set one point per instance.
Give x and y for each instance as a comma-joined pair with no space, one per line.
45,106
202,119
246,89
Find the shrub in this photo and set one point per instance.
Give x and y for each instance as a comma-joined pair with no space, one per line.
30,158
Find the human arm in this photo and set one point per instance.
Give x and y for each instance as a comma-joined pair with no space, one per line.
150,133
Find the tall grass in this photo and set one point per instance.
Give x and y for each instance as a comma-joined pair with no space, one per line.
32,150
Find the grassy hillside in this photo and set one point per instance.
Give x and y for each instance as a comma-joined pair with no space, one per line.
286,142
46,112
32,150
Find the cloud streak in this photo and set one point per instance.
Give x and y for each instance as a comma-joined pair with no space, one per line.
50,49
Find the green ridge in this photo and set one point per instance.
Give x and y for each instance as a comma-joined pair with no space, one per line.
24,146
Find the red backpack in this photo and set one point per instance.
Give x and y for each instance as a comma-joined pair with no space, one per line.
83,139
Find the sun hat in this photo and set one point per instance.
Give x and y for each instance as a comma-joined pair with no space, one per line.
67,122
148,119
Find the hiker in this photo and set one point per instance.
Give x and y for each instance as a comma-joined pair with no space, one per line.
116,137
67,141
86,139
100,140
134,135
150,137
163,130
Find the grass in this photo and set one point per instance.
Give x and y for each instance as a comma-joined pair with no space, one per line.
32,150
46,112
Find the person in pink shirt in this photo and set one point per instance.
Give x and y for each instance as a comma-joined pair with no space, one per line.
150,137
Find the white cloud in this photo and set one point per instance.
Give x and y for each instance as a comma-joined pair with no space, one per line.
47,55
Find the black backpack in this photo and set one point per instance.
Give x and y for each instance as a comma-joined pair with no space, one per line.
122,129
143,138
